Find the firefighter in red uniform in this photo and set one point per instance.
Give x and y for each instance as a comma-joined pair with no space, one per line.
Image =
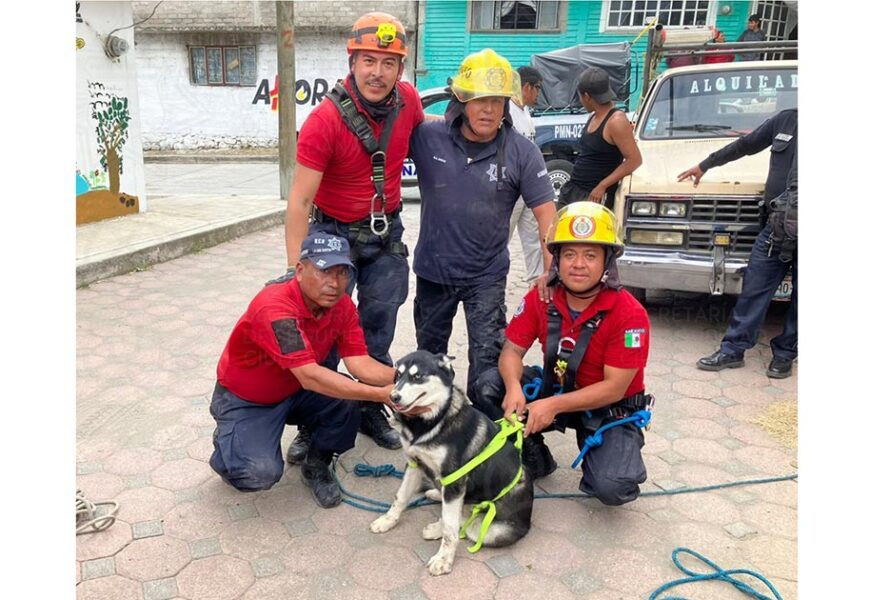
350,153
595,339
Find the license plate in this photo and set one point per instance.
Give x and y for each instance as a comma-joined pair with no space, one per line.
783,292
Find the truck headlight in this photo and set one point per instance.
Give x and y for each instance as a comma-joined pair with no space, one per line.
656,238
672,209
643,209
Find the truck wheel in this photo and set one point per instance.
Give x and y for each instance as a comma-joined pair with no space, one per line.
560,172
638,293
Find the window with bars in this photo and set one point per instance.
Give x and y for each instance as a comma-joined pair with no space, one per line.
520,15
223,65
634,14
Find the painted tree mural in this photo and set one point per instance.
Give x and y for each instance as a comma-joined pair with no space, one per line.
113,119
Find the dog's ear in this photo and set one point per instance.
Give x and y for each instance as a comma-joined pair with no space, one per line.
444,361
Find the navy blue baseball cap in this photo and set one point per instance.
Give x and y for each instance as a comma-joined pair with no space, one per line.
325,250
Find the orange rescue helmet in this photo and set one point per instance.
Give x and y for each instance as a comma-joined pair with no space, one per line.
379,32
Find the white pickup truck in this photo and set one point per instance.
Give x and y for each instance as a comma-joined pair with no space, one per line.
698,239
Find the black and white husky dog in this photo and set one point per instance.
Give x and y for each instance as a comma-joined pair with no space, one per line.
441,431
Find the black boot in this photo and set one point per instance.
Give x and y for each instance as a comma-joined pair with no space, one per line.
374,424
317,476
537,459
298,450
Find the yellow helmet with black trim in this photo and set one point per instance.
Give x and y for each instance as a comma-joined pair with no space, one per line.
585,223
483,74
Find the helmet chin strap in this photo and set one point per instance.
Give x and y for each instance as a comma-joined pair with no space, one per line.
591,292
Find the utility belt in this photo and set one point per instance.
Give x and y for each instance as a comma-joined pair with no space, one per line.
593,419
361,232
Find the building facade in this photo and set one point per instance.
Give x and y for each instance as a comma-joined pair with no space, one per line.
449,30
208,70
110,179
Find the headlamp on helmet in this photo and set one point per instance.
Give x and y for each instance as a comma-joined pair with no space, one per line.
378,32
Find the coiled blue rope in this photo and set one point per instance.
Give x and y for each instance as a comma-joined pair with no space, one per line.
640,418
718,574
364,470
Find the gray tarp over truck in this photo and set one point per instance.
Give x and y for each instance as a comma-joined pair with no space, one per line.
562,68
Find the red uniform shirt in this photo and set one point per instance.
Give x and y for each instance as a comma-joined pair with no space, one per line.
327,145
621,341
278,333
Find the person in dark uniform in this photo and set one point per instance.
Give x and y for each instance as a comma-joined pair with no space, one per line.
272,374
765,270
608,151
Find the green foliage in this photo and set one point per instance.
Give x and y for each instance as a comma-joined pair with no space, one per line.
112,115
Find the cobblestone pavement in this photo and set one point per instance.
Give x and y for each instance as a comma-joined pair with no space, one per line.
147,346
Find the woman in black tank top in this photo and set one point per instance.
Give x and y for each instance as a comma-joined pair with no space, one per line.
600,165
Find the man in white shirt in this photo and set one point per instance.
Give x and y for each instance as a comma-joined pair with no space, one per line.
522,217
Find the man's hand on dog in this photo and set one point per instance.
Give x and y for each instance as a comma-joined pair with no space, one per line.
514,403
540,414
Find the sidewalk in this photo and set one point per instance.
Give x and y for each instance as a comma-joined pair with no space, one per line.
172,226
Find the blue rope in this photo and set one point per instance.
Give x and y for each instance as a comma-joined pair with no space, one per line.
716,575
641,418
363,470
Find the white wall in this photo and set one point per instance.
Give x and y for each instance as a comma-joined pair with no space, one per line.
179,115
118,79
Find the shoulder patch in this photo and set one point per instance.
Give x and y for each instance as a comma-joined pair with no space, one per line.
520,308
633,338
288,336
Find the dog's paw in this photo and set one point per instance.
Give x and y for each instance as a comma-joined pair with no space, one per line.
383,523
433,531
440,564
433,495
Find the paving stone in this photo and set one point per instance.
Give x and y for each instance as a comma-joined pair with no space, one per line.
580,582
175,454
664,515
238,512
160,589
670,434
216,577
205,547
205,432
87,468
147,529
408,592
741,496
199,401
671,457
252,538
740,530
144,503
731,443
300,527
180,474
104,543
109,588
152,558
367,570
426,551
668,485
266,566
723,401
504,565
138,481
100,567
188,495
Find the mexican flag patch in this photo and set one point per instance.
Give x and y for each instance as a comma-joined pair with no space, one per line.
633,339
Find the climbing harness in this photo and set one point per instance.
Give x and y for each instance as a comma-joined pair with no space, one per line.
376,148
87,520
718,574
563,354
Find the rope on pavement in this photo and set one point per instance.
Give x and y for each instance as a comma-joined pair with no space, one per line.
372,505
87,520
717,574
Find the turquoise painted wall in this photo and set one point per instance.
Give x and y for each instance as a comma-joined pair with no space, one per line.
446,38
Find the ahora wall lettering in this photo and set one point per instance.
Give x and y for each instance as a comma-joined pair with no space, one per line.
307,93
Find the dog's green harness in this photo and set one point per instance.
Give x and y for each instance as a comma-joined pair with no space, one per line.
507,429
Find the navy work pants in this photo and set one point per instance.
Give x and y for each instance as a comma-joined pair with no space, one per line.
435,307
247,439
763,275
612,472
381,280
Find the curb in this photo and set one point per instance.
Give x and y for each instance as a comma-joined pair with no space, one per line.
205,158
144,258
